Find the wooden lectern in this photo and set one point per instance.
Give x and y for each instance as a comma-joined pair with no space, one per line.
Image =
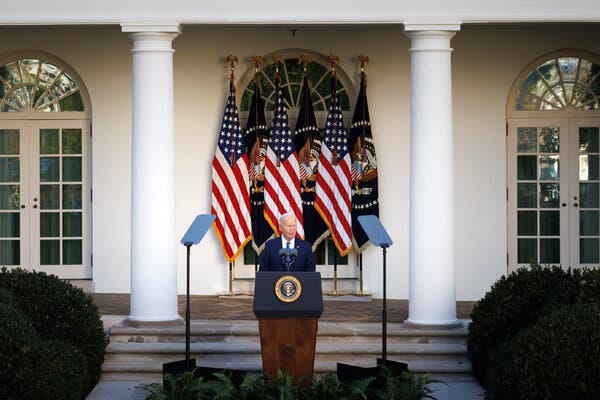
288,306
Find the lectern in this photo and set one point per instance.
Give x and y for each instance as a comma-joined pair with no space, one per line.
288,306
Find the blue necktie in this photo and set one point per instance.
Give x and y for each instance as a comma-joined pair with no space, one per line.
288,259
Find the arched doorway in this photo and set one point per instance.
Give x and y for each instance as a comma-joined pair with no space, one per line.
45,166
553,134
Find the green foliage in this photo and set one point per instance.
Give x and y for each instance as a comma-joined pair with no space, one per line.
282,387
18,340
556,358
513,304
60,312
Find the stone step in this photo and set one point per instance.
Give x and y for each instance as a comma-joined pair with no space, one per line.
231,331
139,353
152,371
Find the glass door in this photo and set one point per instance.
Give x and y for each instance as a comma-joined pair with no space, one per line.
553,192
45,198
538,188
584,202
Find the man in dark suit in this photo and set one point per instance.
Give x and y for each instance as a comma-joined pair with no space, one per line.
287,252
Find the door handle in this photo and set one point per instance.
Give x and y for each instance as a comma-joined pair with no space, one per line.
574,205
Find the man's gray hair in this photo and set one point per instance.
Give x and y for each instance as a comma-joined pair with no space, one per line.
286,215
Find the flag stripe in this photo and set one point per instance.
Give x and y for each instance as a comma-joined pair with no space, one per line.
333,198
282,179
230,196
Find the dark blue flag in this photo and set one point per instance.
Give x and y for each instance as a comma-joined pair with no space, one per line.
307,141
365,197
256,138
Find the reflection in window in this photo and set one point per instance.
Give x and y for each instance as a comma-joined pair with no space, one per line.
561,83
36,85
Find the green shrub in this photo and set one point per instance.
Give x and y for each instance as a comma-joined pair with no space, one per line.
513,304
59,312
282,387
556,358
18,339
588,282
58,370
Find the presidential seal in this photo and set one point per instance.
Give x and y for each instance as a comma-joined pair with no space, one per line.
288,289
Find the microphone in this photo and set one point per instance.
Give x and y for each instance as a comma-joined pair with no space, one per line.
293,253
282,254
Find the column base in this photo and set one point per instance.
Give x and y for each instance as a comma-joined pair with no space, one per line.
452,324
136,323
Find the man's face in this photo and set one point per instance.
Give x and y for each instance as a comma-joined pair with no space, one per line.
288,227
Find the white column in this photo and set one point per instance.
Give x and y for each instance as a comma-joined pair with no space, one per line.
432,290
153,241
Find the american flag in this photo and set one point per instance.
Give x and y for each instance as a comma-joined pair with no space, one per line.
230,198
333,198
282,179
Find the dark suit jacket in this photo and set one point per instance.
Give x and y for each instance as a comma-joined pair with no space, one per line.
270,261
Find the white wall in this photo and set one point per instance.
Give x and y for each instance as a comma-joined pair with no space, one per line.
486,61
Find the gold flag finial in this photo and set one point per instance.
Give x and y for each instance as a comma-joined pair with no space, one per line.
304,59
333,60
256,61
232,60
363,60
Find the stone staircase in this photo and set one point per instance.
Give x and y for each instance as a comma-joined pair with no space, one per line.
137,354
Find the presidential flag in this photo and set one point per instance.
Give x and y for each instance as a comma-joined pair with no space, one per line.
307,141
365,198
256,137
230,198
333,198
282,178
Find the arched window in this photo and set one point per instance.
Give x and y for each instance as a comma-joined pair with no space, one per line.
553,162
318,71
33,84
561,83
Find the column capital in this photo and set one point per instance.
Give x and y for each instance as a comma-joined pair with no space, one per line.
156,27
412,26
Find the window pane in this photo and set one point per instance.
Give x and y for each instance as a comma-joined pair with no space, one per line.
549,168
320,253
588,193
549,140
9,169
9,141
72,197
9,197
588,223
332,252
9,225
50,252
72,225
527,223
71,252
527,250
10,252
49,197
588,250
588,140
71,141
49,141
588,167
550,251
526,168
49,224
527,195
550,223
250,257
549,195
526,140
49,171
72,169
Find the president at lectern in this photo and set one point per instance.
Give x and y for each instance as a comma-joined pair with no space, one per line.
287,252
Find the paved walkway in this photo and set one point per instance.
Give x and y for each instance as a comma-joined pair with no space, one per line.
116,307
